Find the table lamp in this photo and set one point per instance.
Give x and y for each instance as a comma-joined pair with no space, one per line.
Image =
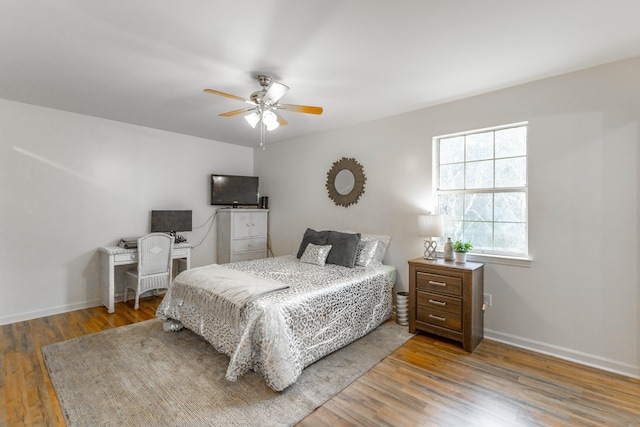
430,227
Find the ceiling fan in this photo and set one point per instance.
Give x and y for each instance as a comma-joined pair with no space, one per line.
265,105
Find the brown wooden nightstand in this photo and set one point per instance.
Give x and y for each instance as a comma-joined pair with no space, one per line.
445,299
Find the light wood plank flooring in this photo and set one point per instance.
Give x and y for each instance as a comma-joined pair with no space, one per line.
426,382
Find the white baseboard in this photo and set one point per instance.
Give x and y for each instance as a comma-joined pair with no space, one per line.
20,317
565,353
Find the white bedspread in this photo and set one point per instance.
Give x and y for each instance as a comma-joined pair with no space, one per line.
280,333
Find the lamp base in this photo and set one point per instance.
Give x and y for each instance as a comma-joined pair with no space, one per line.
430,247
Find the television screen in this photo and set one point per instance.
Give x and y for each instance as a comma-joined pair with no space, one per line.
168,221
234,190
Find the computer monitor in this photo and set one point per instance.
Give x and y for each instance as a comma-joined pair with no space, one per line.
171,222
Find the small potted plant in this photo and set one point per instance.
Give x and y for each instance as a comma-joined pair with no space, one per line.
461,250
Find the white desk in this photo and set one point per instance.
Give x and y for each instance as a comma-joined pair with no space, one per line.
112,256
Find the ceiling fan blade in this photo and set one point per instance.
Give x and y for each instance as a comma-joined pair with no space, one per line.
236,112
228,95
300,108
274,93
281,120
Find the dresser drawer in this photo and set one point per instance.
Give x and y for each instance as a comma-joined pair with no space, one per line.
438,283
242,245
248,256
440,318
440,302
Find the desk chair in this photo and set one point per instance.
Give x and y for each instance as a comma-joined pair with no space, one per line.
155,263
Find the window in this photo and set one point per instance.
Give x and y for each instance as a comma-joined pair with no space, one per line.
481,188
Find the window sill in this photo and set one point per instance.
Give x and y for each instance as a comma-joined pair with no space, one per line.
497,259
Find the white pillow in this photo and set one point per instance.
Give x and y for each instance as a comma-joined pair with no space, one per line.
366,253
382,246
315,254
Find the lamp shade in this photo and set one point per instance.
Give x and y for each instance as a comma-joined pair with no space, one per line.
252,119
430,226
274,93
270,120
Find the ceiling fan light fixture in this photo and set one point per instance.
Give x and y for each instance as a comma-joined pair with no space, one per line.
270,120
252,119
264,105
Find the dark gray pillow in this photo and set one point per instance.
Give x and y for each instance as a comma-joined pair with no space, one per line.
312,236
344,247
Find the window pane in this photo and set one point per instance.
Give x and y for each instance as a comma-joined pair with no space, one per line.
451,205
480,146
510,207
510,237
452,177
511,172
480,234
453,229
479,174
452,150
478,207
511,142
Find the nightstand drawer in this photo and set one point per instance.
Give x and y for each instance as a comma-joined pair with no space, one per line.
438,283
440,318
439,302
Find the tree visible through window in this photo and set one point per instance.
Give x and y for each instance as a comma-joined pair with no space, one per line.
481,187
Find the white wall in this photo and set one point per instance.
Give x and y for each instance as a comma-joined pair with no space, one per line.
71,183
579,299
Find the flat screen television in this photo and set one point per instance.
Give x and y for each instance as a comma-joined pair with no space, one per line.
170,221
234,190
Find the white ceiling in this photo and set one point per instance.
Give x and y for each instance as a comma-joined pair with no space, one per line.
147,62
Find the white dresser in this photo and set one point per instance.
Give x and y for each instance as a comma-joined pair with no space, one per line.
242,234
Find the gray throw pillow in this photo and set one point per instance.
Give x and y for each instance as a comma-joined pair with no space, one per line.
344,248
312,236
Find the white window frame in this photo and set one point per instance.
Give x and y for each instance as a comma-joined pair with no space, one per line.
496,257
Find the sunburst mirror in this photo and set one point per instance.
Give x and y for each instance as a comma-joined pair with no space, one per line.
345,181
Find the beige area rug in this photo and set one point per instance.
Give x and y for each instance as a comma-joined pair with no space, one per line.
139,375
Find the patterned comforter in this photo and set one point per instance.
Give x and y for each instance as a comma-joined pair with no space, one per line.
280,333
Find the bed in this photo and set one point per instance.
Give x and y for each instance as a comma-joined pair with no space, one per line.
304,309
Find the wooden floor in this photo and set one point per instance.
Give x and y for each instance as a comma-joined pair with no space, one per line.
426,382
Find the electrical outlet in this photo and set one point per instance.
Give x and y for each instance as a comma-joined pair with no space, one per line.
487,300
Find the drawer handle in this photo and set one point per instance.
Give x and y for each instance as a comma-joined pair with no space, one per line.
440,303
442,319
431,282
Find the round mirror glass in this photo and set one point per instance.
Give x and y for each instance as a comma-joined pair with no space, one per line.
345,181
